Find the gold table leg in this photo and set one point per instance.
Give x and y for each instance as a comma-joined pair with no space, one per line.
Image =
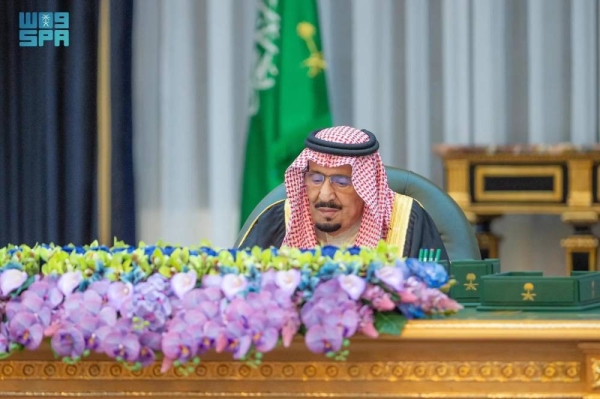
581,248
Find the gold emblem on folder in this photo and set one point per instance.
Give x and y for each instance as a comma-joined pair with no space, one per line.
471,285
528,295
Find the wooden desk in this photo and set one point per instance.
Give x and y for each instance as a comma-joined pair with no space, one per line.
471,355
490,182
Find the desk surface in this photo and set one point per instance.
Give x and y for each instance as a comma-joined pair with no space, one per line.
471,313
470,324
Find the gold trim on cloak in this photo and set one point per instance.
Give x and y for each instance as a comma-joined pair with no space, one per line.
401,209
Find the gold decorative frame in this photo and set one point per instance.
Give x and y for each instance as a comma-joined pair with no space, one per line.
518,358
554,171
415,371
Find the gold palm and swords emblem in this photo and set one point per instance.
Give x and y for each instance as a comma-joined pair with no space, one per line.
315,61
528,295
471,285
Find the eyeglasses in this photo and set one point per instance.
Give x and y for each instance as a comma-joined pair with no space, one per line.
316,179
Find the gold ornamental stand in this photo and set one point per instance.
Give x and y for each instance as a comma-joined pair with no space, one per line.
562,180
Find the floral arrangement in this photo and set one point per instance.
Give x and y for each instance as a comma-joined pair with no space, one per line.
132,303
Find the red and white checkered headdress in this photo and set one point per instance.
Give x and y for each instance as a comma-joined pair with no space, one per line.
368,178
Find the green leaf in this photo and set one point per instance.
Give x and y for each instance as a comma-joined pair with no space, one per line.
391,323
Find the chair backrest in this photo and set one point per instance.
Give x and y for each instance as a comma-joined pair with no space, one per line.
456,231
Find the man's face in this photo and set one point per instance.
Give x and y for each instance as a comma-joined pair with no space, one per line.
334,204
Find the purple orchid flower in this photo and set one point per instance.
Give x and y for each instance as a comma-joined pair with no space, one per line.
348,322
80,305
68,341
236,339
96,328
89,325
211,334
179,346
12,307
320,339
265,340
101,287
152,307
210,294
238,310
25,329
163,301
211,280
4,341
118,292
95,338
205,299
92,302
34,305
49,293
107,316
195,326
151,313
150,342
122,345
367,322
283,300
380,299
72,302
158,281
267,281
195,318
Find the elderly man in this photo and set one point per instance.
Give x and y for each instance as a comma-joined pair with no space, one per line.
338,195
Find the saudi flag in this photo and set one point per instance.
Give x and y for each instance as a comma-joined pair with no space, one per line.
289,94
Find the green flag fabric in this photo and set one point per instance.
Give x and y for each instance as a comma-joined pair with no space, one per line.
289,94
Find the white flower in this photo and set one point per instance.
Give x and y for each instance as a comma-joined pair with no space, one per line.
391,276
287,280
11,279
182,283
232,284
353,285
69,281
